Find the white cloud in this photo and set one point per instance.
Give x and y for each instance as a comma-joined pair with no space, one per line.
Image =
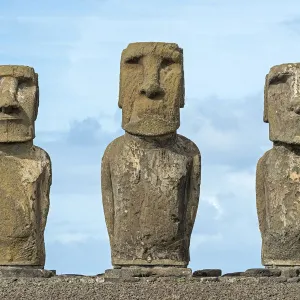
214,202
71,238
199,240
75,219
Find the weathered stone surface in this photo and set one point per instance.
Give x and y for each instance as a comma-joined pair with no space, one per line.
151,175
278,171
25,176
132,272
150,271
293,280
208,273
282,103
257,272
151,88
278,191
233,274
271,279
61,288
18,103
290,272
24,271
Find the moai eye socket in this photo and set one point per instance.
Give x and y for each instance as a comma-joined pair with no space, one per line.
167,62
279,78
133,60
24,82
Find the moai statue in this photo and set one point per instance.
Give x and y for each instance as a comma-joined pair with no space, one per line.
25,176
278,171
151,174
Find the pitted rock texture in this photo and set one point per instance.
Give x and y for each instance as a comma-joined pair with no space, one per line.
151,88
24,201
21,272
290,272
151,176
82,288
278,171
207,273
278,203
260,272
126,273
282,103
154,190
19,101
25,176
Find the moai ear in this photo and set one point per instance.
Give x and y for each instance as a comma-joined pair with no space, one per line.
182,102
120,102
266,100
37,97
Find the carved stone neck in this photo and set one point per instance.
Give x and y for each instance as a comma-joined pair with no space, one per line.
152,141
15,148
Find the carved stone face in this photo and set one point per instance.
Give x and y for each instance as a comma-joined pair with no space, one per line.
151,88
282,103
18,103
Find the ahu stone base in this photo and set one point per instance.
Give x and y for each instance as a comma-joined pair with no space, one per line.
25,271
65,287
135,273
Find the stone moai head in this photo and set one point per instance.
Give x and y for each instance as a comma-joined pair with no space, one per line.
282,103
19,99
151,88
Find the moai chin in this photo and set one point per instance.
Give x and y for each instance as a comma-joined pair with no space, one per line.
25,176
278,171
151,175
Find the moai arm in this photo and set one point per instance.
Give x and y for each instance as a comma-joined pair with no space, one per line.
107,192
260,192
46,182
194,192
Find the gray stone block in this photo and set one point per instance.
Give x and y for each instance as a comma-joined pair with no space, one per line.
293,280
144,272
30,272
261,272
207,273
290,272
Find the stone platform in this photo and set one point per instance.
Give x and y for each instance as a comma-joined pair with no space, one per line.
65,287
25,271
135,273
260,283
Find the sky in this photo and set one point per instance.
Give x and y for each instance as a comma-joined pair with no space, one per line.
75,46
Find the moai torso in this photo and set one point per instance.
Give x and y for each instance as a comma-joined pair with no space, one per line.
278,171
151,175
25,176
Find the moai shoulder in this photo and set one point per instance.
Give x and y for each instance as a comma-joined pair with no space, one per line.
151,175
25,178
278,171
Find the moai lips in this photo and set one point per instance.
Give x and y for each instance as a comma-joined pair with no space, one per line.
25,176
151,175
278,171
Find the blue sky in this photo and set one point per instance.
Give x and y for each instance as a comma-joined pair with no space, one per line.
75,46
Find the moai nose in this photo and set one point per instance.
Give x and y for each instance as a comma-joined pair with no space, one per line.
8,90
151,90
295,104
